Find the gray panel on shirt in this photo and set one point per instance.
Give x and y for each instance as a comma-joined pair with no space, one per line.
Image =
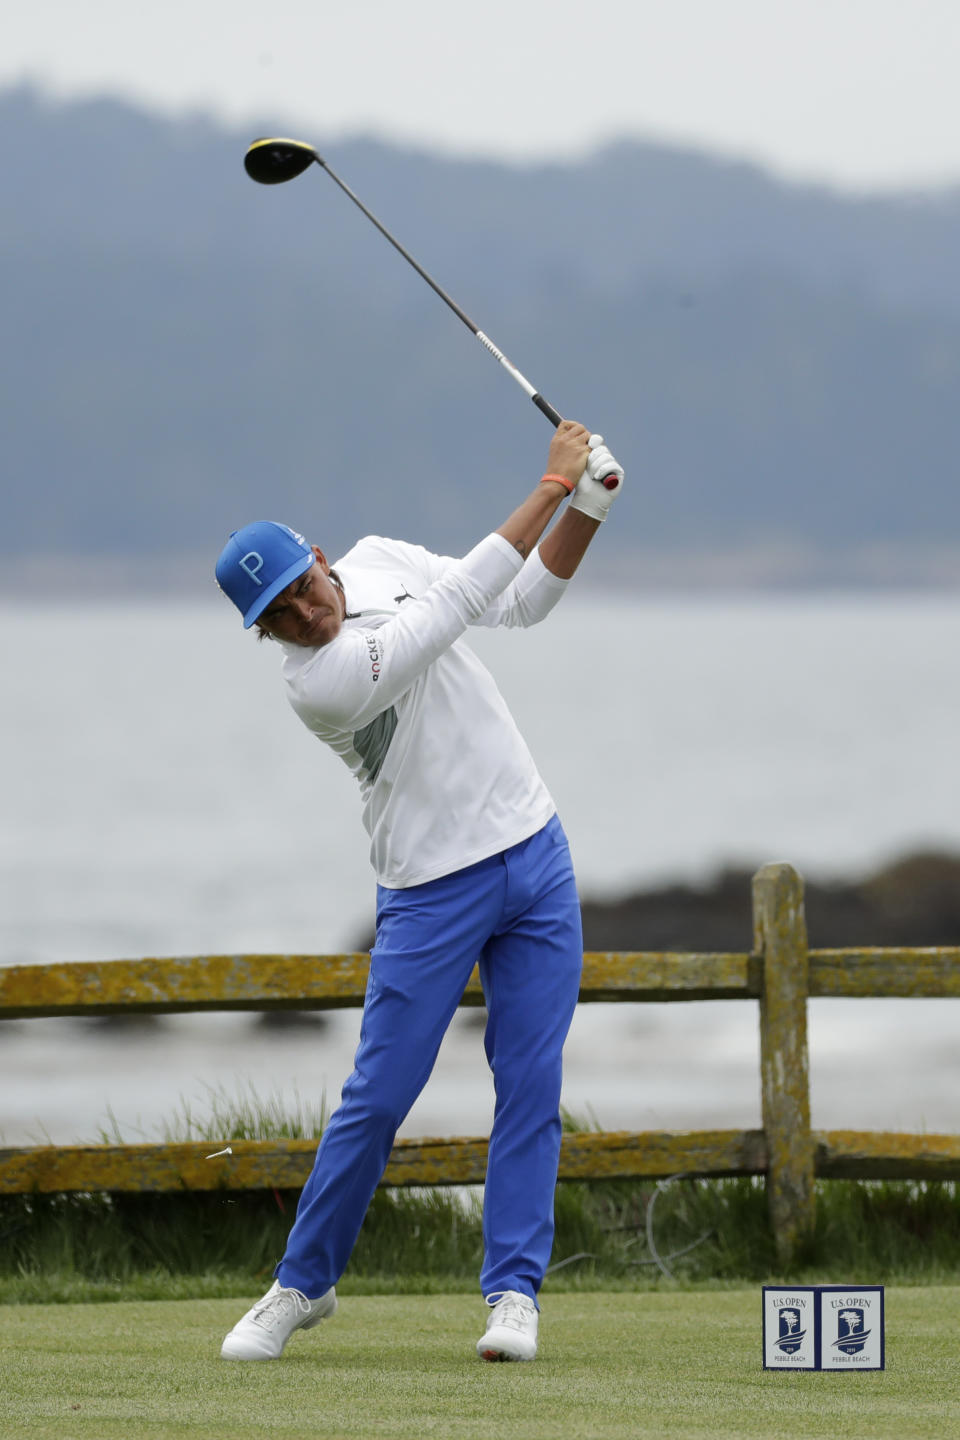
373,741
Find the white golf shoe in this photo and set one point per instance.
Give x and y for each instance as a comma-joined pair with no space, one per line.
511,1328
264,1330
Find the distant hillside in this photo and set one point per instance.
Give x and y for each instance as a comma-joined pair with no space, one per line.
185,350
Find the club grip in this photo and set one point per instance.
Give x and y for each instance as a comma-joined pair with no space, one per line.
547,409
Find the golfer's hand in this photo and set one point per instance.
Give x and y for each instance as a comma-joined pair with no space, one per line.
592,496
569,449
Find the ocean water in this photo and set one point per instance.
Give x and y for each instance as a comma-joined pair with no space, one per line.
159,798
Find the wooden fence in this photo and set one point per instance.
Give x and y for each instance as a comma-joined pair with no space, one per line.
779,973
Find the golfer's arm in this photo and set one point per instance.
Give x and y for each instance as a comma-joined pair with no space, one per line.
544,576
567,543
529,520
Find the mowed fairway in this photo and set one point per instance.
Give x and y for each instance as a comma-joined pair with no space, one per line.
679,1364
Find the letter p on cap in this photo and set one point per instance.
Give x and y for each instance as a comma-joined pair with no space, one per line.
253,570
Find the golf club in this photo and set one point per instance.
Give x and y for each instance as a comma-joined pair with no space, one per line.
271,161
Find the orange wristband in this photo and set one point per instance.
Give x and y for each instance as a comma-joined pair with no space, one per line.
568,485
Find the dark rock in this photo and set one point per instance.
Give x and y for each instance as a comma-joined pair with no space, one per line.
915,901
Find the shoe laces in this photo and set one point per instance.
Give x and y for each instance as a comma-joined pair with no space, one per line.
510,1308
276,1307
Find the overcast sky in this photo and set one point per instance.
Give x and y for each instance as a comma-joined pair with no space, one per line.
860,93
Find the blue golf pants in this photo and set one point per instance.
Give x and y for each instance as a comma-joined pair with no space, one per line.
518,916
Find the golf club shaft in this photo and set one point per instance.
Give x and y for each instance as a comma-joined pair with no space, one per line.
542,405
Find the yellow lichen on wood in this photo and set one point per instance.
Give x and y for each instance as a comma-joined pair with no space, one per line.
924,971
780,936
669,975
655,1155
210,982
285,1164
296,982
880,1155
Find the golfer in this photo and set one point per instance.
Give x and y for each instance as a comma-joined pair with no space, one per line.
471,862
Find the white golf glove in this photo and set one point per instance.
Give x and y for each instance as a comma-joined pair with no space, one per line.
591,495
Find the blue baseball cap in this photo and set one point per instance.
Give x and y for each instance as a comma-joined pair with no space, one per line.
258,562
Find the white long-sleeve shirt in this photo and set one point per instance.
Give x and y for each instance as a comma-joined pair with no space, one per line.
445,776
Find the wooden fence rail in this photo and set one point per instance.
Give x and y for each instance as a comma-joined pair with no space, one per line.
780,973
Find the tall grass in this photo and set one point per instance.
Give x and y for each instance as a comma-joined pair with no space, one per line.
222,1114
609,1234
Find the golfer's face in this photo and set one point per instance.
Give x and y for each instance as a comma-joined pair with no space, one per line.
310,611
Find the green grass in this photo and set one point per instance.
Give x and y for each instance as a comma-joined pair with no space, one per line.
610,1367
103,1247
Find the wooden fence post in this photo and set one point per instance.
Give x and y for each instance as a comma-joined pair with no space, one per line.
780,936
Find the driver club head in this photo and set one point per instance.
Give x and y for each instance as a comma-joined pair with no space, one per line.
272,161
